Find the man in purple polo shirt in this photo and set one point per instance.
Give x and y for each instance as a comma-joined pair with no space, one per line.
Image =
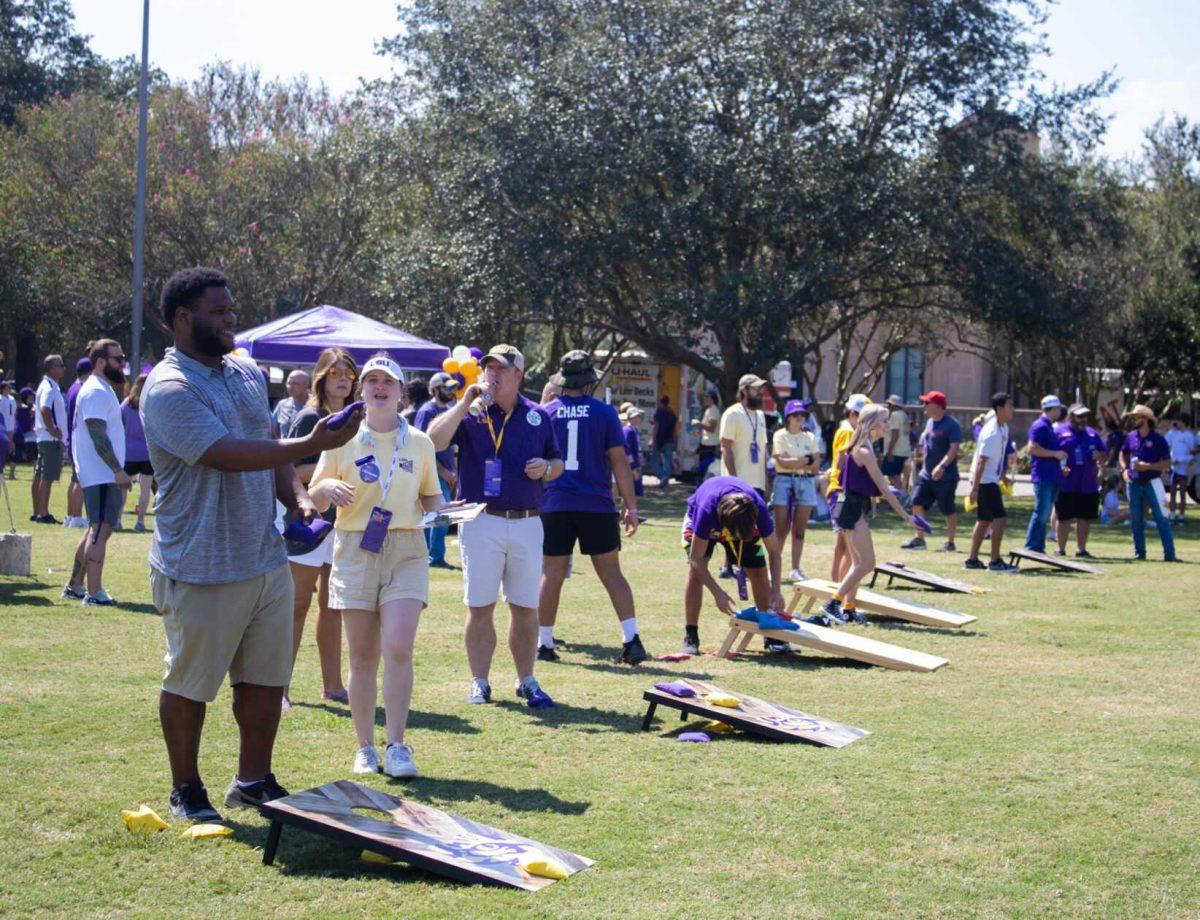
579,504
1145,456
506,455
1079,498
1048,461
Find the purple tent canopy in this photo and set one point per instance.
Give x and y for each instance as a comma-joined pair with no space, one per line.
300,338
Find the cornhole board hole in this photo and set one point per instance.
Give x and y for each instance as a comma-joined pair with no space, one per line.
758,717
894,570
1058,562
424,837
16,554
815,589
835,642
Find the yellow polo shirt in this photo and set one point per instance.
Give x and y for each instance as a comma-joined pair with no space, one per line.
416,477
841,440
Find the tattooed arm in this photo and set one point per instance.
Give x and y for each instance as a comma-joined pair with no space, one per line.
98,431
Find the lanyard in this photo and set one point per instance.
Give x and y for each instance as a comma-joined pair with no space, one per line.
741,548
497,440
753,420
401,440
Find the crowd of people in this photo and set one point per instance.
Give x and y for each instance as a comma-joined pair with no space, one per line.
358,457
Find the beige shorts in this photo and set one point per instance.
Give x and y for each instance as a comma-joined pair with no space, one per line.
499,552
360,580
243,629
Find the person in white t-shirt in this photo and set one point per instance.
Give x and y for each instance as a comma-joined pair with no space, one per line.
98,451
1182,441
744,436
709,425
988,468
49,420
896,445
8,418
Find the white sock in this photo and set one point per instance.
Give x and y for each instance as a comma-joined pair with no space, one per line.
546,636
629,629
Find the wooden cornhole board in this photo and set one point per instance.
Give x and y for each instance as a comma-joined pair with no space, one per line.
895,570
835,642
424,837
1058,562
755,716
816,589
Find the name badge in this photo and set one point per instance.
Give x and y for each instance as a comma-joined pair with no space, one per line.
753,457
377,528
368,469
743,593
491,478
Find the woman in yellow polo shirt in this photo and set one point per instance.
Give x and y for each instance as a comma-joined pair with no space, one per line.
382,482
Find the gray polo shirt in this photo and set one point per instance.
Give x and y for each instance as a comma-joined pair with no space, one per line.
210,527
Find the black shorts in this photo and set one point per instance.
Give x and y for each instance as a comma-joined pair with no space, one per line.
937,493
1077,506
991,502
138,468
852,507
598,532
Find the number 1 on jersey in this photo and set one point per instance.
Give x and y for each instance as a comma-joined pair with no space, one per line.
572,461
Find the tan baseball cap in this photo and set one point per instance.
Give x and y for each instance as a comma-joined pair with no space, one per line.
750,380
505,356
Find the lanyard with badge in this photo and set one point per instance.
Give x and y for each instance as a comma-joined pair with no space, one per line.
492,467
368,470
753,435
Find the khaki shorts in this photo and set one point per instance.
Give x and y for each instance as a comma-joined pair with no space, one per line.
243,629
360,580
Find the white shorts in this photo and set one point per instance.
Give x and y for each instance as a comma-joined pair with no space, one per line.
315,558
497,551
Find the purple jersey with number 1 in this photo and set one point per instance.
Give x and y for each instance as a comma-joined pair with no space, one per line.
586,429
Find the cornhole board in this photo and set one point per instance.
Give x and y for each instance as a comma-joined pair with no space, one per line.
424,837
835,642
754,715
894,570
1058,562
816,589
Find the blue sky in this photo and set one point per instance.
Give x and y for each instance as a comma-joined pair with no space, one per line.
1151,44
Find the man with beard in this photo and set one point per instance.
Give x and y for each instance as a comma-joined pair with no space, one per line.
218,570
98,452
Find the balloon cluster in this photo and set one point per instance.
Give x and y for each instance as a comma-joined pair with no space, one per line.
463,365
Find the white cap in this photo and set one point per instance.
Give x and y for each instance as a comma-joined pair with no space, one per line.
1051,402
385,364
856,402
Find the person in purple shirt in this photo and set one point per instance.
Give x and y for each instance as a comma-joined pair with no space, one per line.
83,370
1048,462
137,453
729,511
633,443
665,425
506,454
1079,498
1145,456
579,504
442,387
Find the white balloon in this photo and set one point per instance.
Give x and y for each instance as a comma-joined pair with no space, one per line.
460,353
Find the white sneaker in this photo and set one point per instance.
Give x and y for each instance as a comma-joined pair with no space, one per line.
78,523
100,599
366,760
398,762
797,575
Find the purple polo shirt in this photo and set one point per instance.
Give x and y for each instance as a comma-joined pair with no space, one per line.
1045,469
586,429
702,508
1149,449
529,434
1081,448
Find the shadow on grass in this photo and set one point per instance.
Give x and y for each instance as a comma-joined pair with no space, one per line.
919,629
146,609
14,593
588,720
799,659
603,659
425,721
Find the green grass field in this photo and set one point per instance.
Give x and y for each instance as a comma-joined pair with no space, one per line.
1050,770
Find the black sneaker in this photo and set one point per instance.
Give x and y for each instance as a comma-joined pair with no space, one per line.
776,647
691,644
443,564
999,565
832,610
948,547
857,616
1083,554
973,563
48,519
1139,557
253,795
725,572
546,653
819,619
190,801
1060,552
914,543
632,652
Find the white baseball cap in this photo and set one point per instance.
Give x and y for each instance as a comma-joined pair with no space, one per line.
385,364
1051,402
856,402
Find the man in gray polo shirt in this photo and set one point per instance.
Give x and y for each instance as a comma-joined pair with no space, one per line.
218,570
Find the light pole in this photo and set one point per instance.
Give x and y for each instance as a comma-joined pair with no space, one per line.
139,213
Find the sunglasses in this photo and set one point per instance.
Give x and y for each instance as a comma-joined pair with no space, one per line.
338,374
